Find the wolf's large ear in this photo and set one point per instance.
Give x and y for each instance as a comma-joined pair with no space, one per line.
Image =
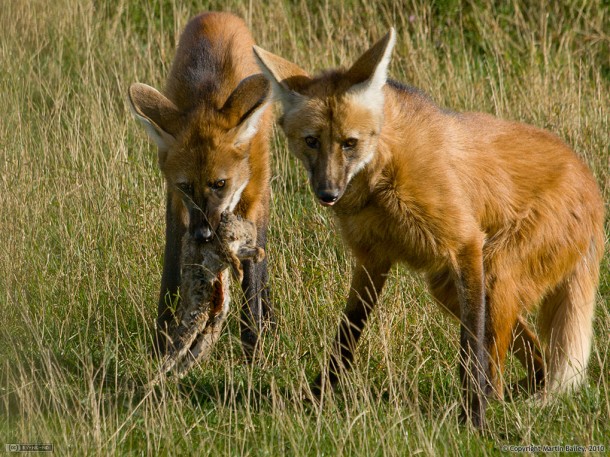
246,105
369,73
285,77
157,113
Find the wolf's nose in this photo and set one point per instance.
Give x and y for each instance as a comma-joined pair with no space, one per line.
202,234
328,197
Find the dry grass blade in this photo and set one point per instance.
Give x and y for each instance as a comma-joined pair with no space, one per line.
82,229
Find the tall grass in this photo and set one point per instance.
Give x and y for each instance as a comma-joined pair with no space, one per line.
82,232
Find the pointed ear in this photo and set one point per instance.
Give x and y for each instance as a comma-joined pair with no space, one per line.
369,73
160,117
246,105
285,77
250,125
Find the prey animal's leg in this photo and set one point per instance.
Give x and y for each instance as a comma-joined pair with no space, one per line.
184,337
202,346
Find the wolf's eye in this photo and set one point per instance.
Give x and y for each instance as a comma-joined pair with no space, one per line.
312,142
350,143
218,184
185,187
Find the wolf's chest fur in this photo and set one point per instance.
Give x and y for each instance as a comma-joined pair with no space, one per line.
394,225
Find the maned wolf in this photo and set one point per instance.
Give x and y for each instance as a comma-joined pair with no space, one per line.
211,126
501,217
205,290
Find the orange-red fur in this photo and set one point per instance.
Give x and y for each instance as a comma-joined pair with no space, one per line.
211,125
501,217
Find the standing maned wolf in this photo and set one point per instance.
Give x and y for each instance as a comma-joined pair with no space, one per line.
501,217
211,126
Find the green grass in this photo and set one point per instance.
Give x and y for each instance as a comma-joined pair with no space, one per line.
82,229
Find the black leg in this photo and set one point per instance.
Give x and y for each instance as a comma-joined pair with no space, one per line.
367,283
256,311
474,359
170,280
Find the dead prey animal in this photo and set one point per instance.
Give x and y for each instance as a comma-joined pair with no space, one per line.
205,291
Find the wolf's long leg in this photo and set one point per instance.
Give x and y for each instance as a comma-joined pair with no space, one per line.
170,281
525,345
527,349
367,282
474,320
256,308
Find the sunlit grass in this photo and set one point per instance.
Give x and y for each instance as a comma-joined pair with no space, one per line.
82,230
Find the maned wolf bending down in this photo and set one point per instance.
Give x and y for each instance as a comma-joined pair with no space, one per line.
501,217
205,290
211,126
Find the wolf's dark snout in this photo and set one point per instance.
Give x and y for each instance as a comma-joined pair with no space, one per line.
203,234
327,196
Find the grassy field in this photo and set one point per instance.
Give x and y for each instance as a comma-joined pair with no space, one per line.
82,225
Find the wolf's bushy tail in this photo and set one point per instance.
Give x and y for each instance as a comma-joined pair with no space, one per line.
566,322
